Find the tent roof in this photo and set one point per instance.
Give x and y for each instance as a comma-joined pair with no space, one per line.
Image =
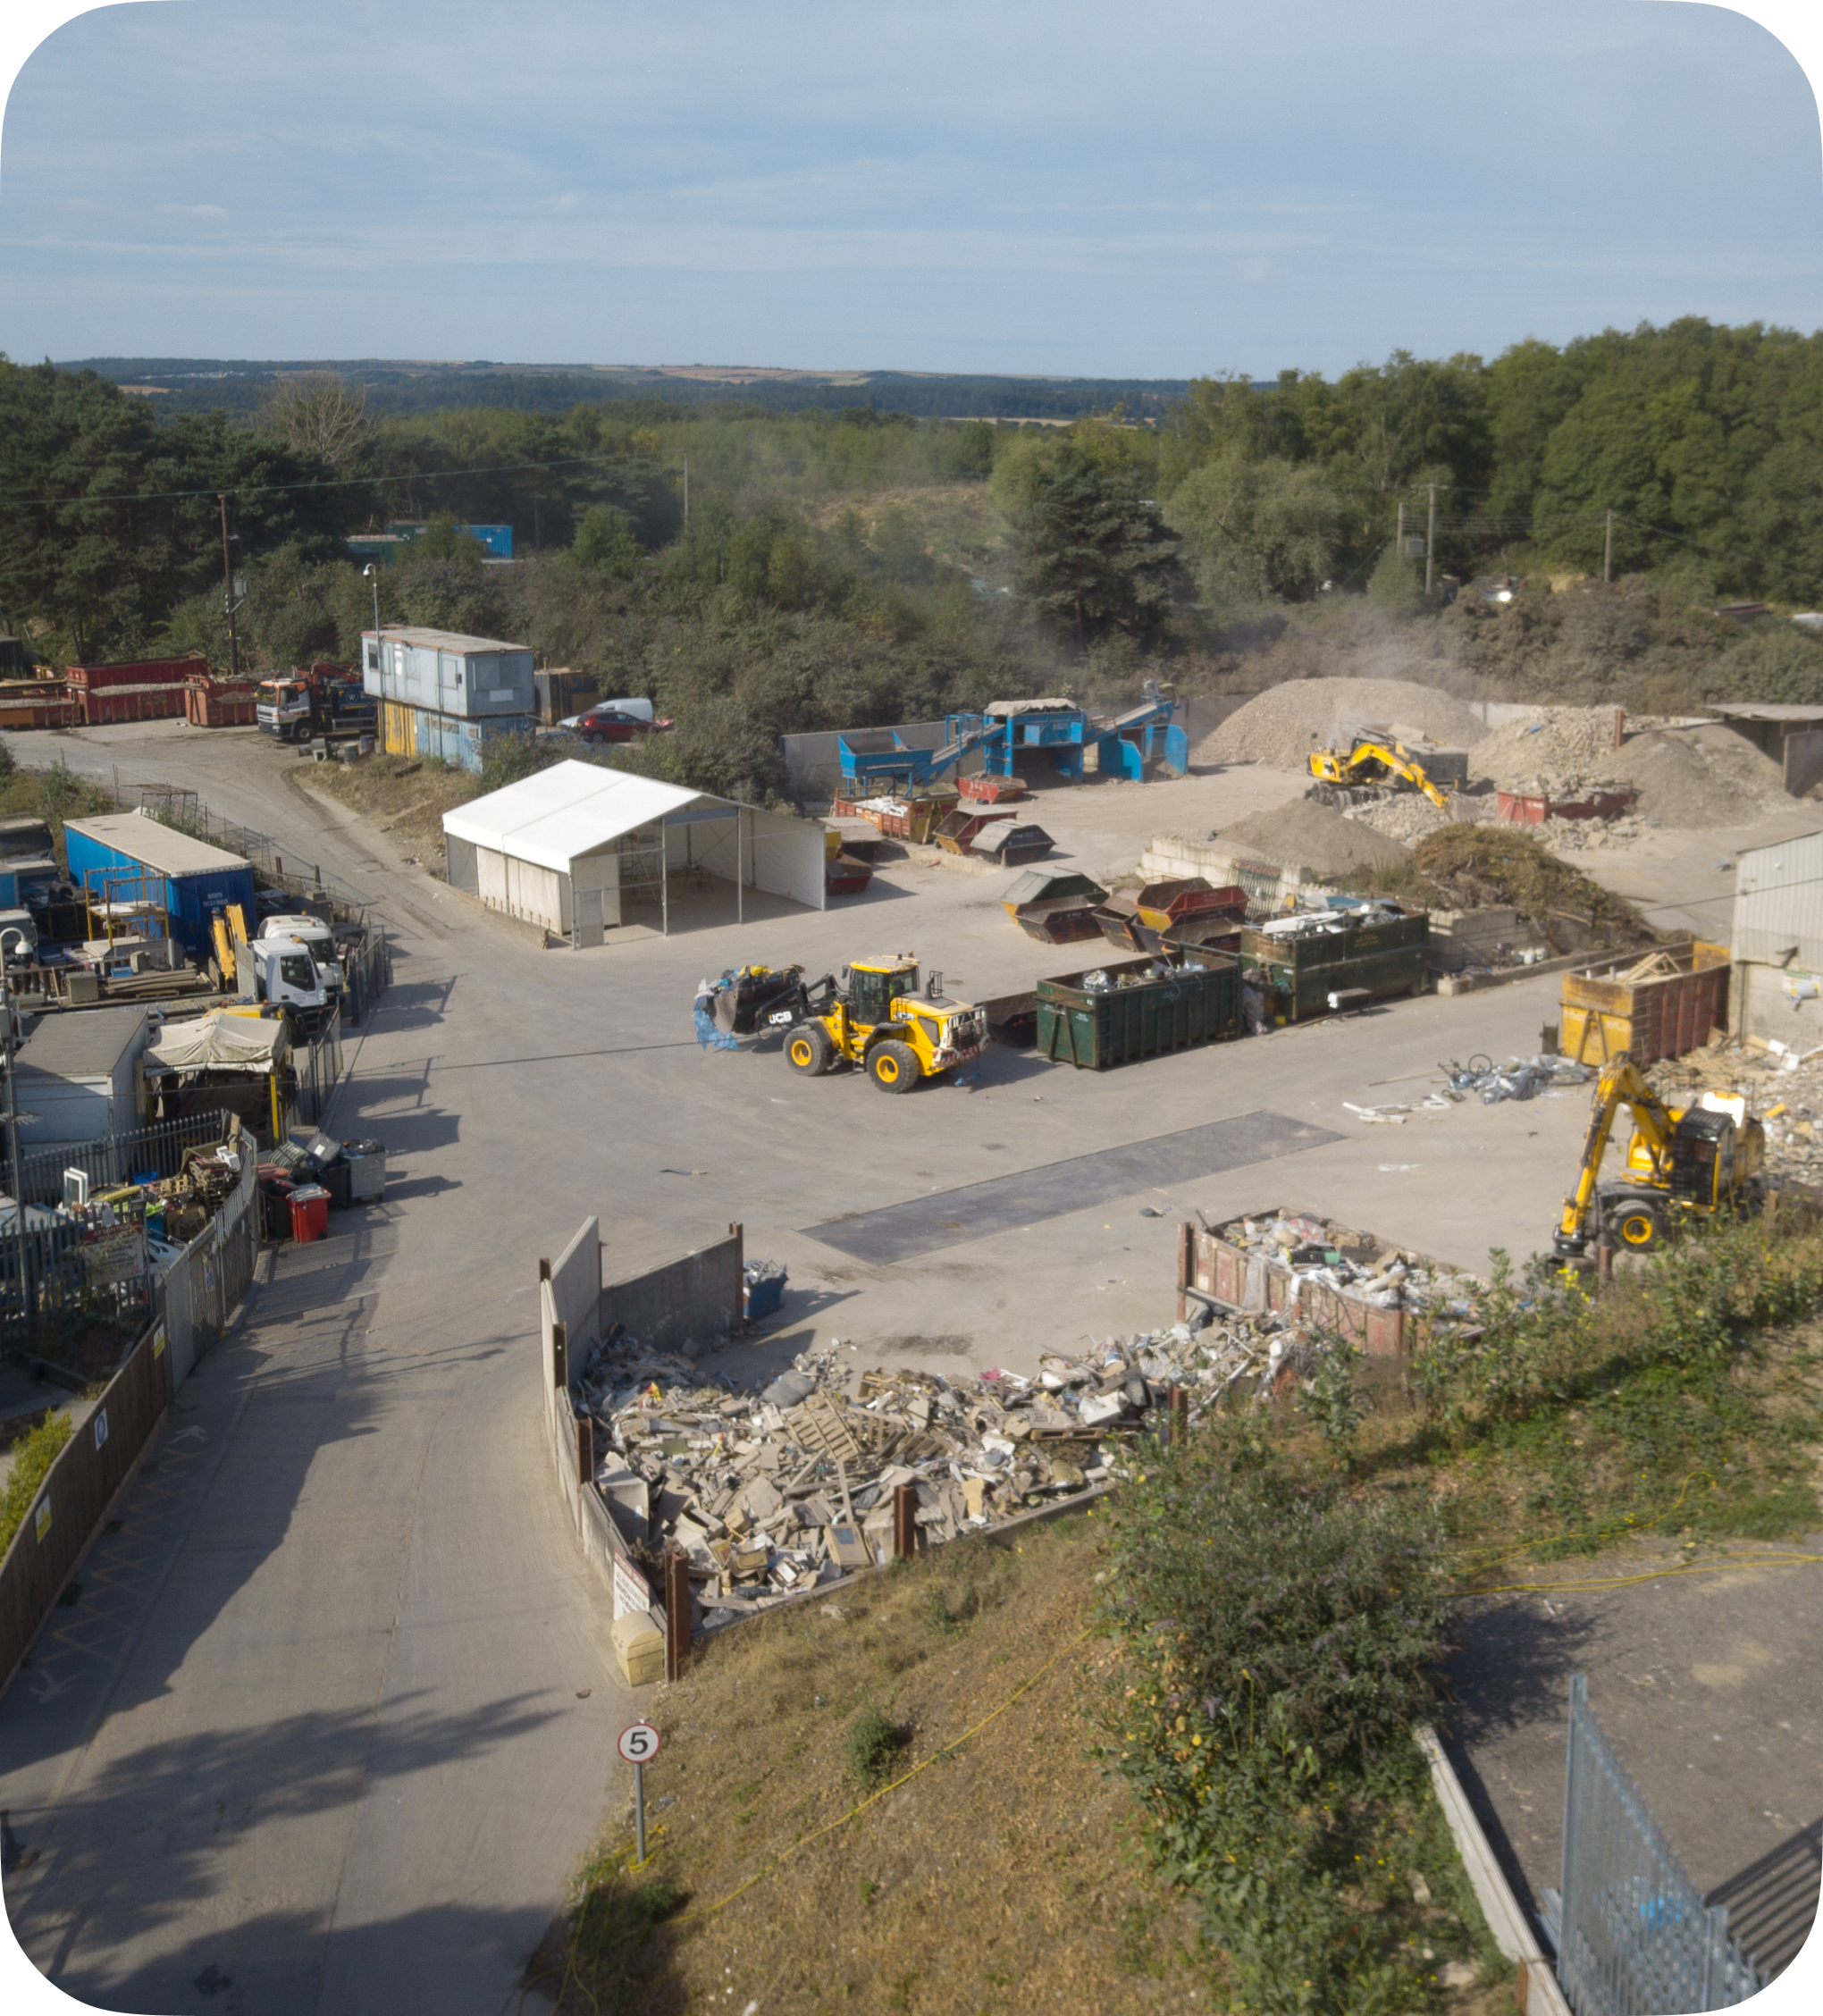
220,1041
569,809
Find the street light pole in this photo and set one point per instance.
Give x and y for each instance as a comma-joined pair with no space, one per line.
373,574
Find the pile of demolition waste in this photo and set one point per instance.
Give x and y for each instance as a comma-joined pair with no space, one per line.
784,1489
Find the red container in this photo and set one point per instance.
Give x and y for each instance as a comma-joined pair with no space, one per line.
1513,809
139,689
992,790
209,705
309,1213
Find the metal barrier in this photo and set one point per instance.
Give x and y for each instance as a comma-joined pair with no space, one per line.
201,1288
83,1266
368,970
318,1070
117,1158
1635,1937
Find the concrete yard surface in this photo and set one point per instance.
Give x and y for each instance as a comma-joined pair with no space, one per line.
331,1722
1706,1684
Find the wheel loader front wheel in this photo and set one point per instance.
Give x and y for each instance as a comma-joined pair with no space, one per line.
807,1050
894,1066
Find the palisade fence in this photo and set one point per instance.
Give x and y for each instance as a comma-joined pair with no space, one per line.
1635,1937
186,812
119,1158
200,1289
368,969
318,1069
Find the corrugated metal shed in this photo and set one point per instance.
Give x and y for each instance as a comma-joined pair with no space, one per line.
199,881
1778,904
155,845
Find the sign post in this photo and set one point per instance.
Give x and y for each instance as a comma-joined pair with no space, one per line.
638,1744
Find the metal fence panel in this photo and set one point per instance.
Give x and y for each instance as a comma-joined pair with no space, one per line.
117,1158
318,1068
200,1289
1636,1938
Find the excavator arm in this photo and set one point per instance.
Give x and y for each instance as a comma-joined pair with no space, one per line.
1620,1085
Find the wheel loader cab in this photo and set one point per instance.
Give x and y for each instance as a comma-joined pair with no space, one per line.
873,988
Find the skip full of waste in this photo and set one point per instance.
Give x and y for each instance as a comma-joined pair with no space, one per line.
1319,1252
774,1492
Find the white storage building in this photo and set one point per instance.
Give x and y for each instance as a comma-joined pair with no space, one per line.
79,1076
572,847
1776,988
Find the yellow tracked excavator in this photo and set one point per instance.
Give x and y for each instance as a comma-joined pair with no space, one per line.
1370,762
1684,1164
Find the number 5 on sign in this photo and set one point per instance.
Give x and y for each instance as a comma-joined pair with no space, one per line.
639,1743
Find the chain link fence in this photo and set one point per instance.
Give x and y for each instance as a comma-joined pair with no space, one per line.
1634,1936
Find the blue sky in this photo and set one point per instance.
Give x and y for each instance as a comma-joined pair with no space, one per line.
1152,189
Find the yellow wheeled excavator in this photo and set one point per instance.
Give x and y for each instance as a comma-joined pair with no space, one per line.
879,1017
1684,1164
1371,761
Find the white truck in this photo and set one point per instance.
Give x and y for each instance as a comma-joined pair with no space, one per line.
316,938
283,972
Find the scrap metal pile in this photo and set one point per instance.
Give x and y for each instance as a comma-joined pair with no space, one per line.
780,1490
1545,1076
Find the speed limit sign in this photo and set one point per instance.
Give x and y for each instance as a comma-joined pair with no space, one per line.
638,1742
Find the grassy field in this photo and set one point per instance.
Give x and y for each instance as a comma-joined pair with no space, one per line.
1000,1872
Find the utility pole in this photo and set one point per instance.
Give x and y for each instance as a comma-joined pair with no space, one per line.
1430,540
24,1242
1608,551
228,589
686,490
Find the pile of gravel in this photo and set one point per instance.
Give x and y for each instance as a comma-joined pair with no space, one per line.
1281,725
1307,835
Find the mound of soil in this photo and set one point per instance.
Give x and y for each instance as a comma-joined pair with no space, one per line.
1286,722
1311,835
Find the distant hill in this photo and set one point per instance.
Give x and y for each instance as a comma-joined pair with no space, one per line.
396,386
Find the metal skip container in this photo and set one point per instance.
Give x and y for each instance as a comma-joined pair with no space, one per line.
1137,1008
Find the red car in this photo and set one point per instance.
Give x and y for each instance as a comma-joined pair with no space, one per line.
612,723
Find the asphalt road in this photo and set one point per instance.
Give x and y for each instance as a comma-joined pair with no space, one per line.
332,1722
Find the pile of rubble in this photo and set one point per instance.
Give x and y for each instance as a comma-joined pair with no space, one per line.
1408,815
1783,1086
774,1492
1566,835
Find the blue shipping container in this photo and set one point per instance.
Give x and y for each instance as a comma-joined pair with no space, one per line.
193,881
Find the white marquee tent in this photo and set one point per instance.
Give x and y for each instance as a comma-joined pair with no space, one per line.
568,848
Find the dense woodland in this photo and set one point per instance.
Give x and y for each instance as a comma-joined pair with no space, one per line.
853,565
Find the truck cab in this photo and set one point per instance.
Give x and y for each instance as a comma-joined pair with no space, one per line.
286,976
282,708
317,939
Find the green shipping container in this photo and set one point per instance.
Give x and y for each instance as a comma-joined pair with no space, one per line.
1302,993
1411,928
1095,1028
